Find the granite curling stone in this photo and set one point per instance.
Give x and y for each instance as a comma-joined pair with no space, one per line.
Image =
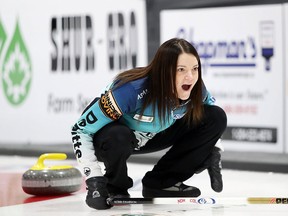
44,180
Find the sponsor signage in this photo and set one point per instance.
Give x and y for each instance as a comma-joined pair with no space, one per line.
286,75
241,50
58,56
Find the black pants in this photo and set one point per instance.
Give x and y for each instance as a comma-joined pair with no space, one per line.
115,142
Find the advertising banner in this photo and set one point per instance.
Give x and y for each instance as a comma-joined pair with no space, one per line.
241,50
56,56
286,73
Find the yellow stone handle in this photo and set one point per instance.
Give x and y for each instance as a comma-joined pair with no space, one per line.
50,156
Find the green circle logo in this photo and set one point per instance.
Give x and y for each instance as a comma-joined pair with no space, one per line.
16,70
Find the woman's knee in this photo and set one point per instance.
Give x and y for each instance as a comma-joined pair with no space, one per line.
218,115
117,137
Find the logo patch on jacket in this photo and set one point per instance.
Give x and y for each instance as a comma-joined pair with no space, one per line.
143,118
109,106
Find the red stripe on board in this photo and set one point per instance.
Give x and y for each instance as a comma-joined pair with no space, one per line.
11,192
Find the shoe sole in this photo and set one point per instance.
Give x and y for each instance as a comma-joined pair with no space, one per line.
150,192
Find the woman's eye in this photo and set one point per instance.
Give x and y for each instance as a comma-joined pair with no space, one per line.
180,69
195,69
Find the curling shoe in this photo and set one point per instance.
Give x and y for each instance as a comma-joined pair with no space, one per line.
178,190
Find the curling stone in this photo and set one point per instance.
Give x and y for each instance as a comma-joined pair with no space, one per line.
44,180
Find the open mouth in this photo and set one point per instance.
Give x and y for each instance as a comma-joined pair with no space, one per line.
186,87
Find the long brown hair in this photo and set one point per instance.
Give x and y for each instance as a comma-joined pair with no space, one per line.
161,73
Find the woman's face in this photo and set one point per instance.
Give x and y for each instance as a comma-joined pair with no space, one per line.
186,75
